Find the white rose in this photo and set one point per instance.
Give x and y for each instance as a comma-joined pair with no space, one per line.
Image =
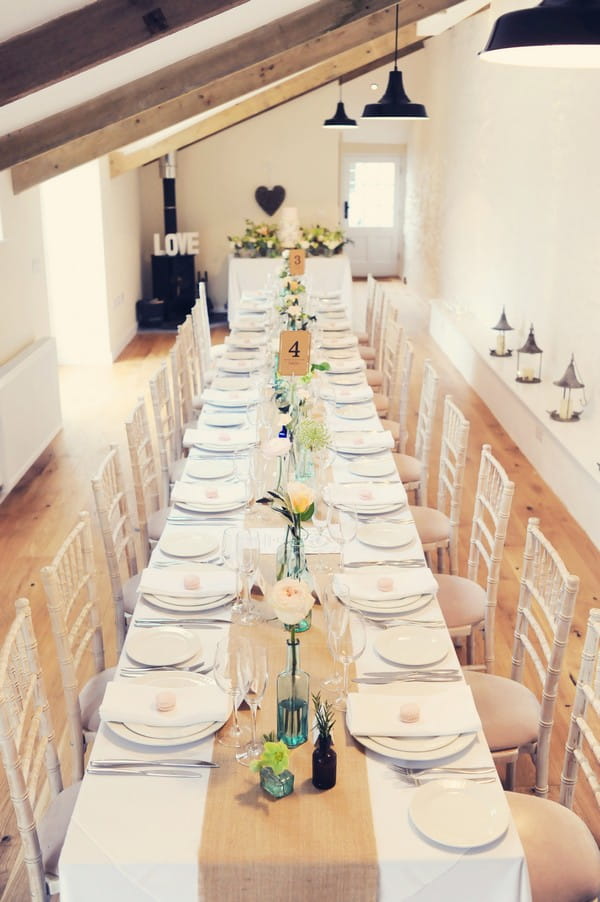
291,599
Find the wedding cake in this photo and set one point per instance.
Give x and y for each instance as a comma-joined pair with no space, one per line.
289,227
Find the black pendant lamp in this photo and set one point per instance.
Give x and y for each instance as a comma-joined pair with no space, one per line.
340,118
395,104
557,33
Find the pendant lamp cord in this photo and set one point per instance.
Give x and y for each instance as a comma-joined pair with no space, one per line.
396,42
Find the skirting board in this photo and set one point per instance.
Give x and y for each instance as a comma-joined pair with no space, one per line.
564,454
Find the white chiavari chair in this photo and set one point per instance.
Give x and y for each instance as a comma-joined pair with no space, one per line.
414,469
190,360
70,585
118,537
183,407
364,338
469,603
151,516
515,719
381,305
398,427
27,746
168,431
391,367
438,526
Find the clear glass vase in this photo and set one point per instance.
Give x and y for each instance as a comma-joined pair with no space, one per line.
277,785
293,685
305,469
290,563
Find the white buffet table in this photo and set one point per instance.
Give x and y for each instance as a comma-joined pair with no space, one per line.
325,274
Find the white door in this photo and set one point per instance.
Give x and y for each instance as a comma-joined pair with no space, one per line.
372,194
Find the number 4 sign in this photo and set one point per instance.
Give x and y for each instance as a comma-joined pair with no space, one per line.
294,353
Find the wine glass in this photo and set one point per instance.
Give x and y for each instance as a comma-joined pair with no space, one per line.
229,676
347,637
318,519
255,669
335,595
248,553
229,553
342,527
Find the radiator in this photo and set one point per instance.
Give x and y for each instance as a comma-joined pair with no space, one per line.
30,414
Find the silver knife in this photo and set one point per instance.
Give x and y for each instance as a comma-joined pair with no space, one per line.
161,762
186,773
408,562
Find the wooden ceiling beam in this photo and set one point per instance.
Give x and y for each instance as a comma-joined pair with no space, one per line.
383,61
197,84
309,80
91,35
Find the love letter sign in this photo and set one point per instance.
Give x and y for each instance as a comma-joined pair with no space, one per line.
177,243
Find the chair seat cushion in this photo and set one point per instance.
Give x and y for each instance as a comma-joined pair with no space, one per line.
367,352
393,427
374,378
130,593
176,469
90,698
409,468
363,337
382,403
157,522
562,857
462,600
508,710
432,525
53,825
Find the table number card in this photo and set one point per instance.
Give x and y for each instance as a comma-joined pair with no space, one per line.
294,353
297,260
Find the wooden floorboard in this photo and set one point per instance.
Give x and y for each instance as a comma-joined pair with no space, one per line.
41,510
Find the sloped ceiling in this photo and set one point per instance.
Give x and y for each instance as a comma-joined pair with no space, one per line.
65,100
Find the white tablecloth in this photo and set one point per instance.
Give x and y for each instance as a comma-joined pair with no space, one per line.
134,839
324,273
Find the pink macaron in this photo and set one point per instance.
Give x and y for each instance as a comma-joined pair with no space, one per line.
166,700
410,712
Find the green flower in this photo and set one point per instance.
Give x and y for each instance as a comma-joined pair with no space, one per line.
275,755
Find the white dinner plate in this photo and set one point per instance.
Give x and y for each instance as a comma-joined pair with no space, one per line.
167,736
209,469
416,743
187,605
342,354
347,378
223,419
386,535
417,749
344,341
412,646
207,508
231,383
246,365
195,545
381,467
162,646
458,813
345,367
355,412
407,605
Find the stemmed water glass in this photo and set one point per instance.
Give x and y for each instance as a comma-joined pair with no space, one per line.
346,637
248,553
255,669
229,676
229,553
342,527
334,595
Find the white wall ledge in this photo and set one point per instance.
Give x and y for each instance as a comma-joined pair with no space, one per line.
565,454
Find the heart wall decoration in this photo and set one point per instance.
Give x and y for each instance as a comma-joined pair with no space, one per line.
270,199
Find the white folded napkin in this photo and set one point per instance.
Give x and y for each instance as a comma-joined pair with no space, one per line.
342,367
239,362
209,496
334,325
127,702
246,339
171,581
228,440
249,324
366,496
447,712
349,394
225,398
363,583
363,441
331,340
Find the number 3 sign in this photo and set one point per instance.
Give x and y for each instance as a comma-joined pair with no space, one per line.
294,353
296,261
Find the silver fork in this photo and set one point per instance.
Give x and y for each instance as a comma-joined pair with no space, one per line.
137,671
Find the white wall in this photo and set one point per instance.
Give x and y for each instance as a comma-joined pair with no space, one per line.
23,307
92,243
216,180
503,194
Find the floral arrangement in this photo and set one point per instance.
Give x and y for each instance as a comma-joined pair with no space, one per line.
312,434
296,505
259,240
319,241
275,755
292,293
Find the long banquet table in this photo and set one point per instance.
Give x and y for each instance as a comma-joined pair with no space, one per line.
138,838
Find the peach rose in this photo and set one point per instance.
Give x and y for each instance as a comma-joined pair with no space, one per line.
301,496
276,447
291,599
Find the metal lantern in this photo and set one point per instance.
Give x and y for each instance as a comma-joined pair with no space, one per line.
526,370
501,328
565,412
